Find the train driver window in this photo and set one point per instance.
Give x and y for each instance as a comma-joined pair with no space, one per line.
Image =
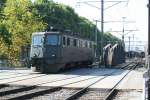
68,41
37,40
52,40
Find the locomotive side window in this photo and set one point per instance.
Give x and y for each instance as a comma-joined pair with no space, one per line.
81,44
52,40
75,42
78,44
37,40
68,41
71,41
64,40
90,44
86,44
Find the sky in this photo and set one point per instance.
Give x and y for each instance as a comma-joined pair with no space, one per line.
135,12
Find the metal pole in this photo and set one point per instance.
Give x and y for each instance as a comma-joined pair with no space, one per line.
123,30
96,39
149,28
133,43
102,27
129,47
148,82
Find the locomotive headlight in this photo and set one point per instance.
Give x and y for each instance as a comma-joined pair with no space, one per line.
53,55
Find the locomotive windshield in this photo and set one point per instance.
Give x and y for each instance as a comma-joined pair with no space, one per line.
37,40
52,40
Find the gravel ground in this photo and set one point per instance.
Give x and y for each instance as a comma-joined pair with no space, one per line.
129,95
66,92
141,69
94,95
58,95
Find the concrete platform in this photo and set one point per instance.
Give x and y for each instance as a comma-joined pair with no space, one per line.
134,80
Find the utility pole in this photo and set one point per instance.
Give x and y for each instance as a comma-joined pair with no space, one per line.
102,18
102,30
149,28
123,29
102,27
133,43
96,38
129,47
148,58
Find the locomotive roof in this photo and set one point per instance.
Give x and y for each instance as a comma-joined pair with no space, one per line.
46,33
58,32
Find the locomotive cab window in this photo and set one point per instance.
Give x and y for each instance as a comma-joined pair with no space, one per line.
37,40
52,40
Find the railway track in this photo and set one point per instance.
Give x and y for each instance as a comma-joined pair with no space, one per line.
108,96
41,92
114,91
30,92
10,74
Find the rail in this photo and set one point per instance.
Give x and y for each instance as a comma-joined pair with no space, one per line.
114,90
82,91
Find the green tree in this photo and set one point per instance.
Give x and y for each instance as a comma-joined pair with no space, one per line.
21,22
2,4
20,18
